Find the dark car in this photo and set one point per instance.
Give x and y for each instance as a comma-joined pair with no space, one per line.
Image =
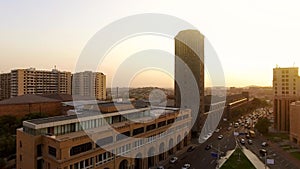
208,147
192,148
263,152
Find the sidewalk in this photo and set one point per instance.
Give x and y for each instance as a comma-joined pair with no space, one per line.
253,158
224,159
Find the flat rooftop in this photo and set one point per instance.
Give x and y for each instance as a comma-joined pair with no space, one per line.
87,115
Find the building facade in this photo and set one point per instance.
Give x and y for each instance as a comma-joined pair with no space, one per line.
4,86
107,141
92,84
32,81
294,122
286,90
189,65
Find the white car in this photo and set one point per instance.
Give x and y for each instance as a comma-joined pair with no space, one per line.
160,167
220,137
186,166
173,160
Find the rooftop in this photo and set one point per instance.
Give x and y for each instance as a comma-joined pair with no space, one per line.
27,99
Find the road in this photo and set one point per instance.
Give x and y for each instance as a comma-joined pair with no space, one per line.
201,158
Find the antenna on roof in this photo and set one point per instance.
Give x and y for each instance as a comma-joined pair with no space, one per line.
55,67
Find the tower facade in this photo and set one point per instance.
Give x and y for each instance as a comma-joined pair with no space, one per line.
189,68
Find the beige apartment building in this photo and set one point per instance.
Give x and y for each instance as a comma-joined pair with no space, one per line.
88,83
4,86
89,140
32,81
286,90
294,122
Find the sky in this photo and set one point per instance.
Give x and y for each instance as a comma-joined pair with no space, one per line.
250,37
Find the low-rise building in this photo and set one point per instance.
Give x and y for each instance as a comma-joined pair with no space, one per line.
136,138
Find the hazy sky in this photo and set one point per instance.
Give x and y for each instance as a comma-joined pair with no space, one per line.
250,37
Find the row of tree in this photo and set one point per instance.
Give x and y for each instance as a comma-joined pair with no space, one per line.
8,126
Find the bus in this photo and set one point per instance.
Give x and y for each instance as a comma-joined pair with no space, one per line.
252,133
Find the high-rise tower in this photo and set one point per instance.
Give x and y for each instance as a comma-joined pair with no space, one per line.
189,51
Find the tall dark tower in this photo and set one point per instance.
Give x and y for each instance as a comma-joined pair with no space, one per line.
189,70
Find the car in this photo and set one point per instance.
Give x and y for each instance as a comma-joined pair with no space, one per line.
250,141
191,148
229,128
247,136
217,130
208,147
264,144
186,166
173,160
242,141
263,152
220,137
160,167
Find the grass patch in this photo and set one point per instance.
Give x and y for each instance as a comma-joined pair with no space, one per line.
277,136
296,155
238,160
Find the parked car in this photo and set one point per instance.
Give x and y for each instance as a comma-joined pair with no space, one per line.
173,160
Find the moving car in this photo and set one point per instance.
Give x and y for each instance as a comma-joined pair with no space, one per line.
264,144
250,141
186,166
263,152
173,160
160,167
191,148
220,137
208,147
242,141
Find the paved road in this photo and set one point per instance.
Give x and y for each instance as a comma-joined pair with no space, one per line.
281,160
201,158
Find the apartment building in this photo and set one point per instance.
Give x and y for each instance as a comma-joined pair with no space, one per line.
32,81
103,141
286,90
4,86
88,83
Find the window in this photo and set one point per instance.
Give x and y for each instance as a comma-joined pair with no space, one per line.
151,127
170,121
123,135
20,143
162,123
39,150
138,131
80,148
104,141
20,157
52,151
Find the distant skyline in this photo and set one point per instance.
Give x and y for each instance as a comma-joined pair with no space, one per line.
250,37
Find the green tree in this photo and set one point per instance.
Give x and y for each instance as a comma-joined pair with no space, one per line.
263,125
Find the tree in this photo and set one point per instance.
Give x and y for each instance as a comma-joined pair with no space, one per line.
263,125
